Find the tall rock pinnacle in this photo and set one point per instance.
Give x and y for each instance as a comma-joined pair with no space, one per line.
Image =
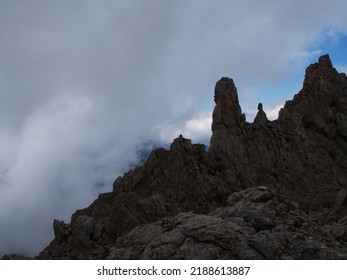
227,112
260,118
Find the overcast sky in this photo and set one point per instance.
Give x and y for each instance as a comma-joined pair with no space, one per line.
82,83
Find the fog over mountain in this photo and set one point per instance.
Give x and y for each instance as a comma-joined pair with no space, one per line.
263,190
84,83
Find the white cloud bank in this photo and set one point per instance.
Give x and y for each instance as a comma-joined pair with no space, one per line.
272,114
198,129
83,82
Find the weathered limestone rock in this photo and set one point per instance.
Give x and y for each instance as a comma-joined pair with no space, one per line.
261,117
227,112
186,203
256,223
302,148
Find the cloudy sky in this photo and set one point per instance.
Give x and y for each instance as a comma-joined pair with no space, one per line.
83,83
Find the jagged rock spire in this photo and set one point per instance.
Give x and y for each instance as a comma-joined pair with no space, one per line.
227,112
261,117
321,100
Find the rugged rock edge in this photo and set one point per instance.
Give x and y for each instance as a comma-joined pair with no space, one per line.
264,190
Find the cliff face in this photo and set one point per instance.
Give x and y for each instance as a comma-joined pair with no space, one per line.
264,190
303,153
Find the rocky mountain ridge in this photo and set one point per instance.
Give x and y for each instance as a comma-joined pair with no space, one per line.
264,190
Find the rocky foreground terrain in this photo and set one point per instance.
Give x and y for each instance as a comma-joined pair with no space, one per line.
263,190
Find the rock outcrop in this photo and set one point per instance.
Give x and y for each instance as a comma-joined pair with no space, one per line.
256,223
264,190
261,117
227,112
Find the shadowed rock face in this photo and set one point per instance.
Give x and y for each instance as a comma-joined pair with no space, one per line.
256,223
264,190
227,112
261,117
303,153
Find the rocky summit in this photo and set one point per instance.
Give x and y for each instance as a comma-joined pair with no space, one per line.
263,190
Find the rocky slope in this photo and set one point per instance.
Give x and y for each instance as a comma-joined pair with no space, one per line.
264,190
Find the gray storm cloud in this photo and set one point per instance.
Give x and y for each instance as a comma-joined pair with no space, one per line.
82,83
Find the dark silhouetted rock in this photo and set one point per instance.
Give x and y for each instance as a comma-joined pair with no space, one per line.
264,190
227,112
261,117
256,224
